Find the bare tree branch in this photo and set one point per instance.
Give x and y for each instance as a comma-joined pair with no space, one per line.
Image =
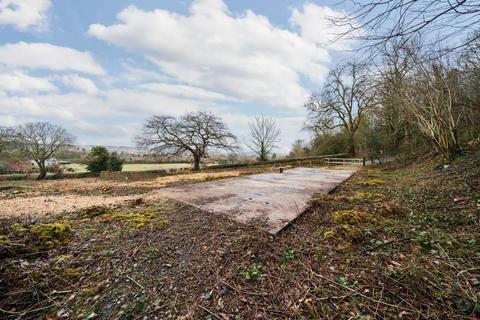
39,141
381,21
346,96
198,134
264,136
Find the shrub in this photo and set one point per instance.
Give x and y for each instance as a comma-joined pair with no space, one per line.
99,159
114,163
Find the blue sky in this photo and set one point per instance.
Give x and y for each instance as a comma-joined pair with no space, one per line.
100,68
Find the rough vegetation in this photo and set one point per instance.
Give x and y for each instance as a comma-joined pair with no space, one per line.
408,247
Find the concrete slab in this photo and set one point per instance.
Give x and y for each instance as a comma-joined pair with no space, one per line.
272,200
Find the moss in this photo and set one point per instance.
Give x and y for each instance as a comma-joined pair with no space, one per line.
4,239
361,197
63,258
18,228
353,217
134,218
329,234
72,272
371,183
351,231
52,233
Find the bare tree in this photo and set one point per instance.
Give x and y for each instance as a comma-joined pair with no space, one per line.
4,137
432,96
469,63
426,92
299,149
198,134
39,141
263,137
342,103
380,21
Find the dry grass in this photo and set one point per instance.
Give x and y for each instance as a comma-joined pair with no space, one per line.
407,248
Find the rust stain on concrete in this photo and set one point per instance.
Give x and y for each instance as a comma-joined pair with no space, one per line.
271,200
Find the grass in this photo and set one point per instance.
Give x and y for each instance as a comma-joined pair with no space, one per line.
408,247
78,167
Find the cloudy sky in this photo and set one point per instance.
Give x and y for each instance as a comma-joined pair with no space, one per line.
100,68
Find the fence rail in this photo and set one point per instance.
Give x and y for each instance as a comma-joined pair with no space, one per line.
346,161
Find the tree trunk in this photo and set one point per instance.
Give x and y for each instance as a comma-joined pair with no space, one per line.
196,163
351,145
263,156
43,170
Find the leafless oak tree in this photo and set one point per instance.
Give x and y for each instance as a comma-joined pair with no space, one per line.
382,20
198,134
39,141
342,103
263,137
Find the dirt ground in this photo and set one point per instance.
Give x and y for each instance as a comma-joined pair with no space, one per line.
397,242
39,198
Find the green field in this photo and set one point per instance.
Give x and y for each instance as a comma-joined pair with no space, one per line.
78,167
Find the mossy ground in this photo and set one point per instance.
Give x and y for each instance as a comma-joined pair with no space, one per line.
408,247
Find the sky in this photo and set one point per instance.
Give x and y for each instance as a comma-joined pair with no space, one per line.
100,68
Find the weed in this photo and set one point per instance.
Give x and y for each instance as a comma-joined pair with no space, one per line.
287,256
424,240
253,273
345,282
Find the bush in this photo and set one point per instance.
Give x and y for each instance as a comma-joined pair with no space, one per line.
55,168
330,143
99,159
114,163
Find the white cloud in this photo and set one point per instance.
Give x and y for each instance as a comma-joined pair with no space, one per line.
23,14
244,56
317,24
135,74
19,82
184,91
48,56
80,83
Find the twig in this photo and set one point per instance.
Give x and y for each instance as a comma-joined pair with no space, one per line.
134,281
360,294
210,312
22,313
384,244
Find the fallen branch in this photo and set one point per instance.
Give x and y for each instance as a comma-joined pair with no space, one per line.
384,244
210,312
